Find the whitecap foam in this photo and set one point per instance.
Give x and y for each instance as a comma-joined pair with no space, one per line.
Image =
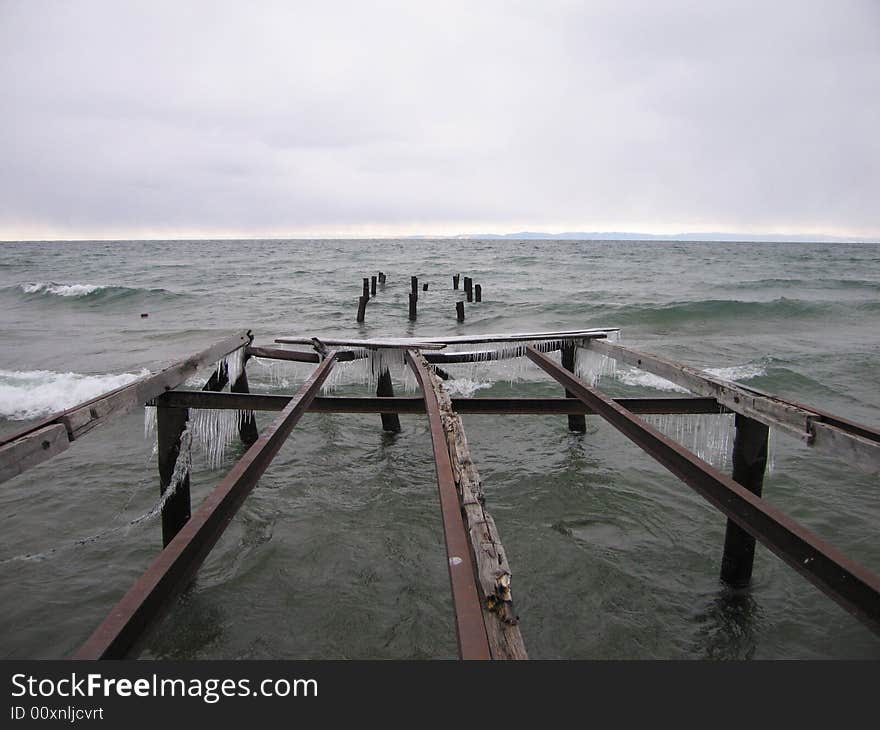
642,379
34,393
60,290
465,387
738,372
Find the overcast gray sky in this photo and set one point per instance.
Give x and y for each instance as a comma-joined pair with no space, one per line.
130,119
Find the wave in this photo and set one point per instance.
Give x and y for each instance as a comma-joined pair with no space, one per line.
642,379
675,313
26,394
89,292
820,283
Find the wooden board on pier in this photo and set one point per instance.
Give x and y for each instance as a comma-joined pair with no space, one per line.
438,343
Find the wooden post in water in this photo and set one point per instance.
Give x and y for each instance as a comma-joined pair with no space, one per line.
575,422
247,426
385,389
424,287
170,425
459,311
382,278
478,293
469,288
366,288
455,278
749,463
373,286
362,308
414,281
413,301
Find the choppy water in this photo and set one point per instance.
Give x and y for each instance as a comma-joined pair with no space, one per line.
339,552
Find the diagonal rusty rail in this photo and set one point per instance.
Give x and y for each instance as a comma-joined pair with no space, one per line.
845,581
173,568
471,631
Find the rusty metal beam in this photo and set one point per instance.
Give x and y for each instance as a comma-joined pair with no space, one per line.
472,640
845,581
416,404
173,568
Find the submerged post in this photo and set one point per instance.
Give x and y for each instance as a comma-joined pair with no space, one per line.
366,288
575,422
362,308
469,288
424,287
459,311
749,463
373,286
455,278
413,301
414,281
478,293
247,425
170,426
385,389
382,278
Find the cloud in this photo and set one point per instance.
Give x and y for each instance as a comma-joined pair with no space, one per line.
291,117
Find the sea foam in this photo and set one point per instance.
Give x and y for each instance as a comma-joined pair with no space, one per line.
60,290
33,393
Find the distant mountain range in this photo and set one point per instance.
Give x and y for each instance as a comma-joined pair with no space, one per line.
616,236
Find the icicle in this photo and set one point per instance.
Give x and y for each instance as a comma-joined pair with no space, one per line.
234,364
149,421
706,434
215,429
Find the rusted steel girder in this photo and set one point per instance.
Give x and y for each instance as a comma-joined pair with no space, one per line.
469,626
845,581
416,404
173,568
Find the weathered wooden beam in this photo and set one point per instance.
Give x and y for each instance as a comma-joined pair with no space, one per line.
31,449
459,311
857,443
749,463
171,424
490,557
473,642
277,353
578,424
437,343
385,389
416,404
84,417
851,585
171,571
247,426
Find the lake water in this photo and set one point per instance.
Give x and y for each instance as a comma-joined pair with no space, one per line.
339,553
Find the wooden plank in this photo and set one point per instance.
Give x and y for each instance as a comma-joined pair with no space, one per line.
490,557
433,343
416,404
473,642
856,450
277,353
401,343
31,449
125,626
845,581
815,428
